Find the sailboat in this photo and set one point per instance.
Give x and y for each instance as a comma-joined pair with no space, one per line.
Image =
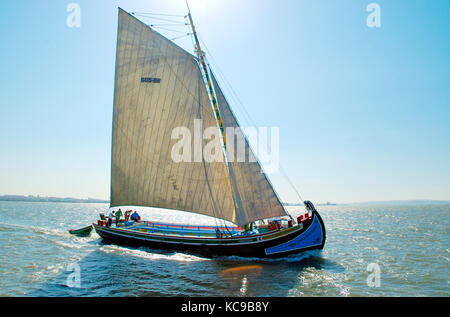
159,86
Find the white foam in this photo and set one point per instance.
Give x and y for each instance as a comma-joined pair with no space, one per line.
181,257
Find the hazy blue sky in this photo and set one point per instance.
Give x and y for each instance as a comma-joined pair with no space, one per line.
364,113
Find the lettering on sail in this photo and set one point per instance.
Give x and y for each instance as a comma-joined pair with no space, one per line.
150,80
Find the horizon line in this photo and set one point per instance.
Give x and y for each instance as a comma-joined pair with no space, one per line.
284,203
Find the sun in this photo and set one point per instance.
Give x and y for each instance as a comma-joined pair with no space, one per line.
197,3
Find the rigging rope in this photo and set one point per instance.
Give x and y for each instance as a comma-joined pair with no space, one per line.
169,30
166,15
248,118
168,24
233,95
159,19
179,37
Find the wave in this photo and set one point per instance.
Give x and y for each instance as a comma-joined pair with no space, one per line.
39,230
179,257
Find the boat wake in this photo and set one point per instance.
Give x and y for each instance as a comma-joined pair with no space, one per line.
60,237
38,230
148,254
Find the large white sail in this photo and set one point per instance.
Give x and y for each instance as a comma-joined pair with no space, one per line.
256,198
158,88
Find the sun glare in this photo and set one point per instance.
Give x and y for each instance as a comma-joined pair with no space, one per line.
197,3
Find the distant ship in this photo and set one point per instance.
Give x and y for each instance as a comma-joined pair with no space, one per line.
158,87
327,204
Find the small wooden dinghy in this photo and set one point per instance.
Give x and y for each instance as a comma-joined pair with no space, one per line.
83,232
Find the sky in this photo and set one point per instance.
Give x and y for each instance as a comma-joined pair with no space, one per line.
363,113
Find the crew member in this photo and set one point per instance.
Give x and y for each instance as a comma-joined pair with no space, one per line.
118,215
135,216
110,217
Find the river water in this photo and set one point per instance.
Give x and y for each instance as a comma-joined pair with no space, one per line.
370,251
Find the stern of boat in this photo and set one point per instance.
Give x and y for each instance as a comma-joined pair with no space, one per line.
313,237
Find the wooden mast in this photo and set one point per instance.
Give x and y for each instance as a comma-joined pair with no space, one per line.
201,58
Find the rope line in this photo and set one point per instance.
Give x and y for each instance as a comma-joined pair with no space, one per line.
169,24
179,37
169,30
248,118
160,19
158,14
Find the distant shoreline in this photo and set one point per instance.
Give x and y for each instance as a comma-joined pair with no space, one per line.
31,198
385,202
51,199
